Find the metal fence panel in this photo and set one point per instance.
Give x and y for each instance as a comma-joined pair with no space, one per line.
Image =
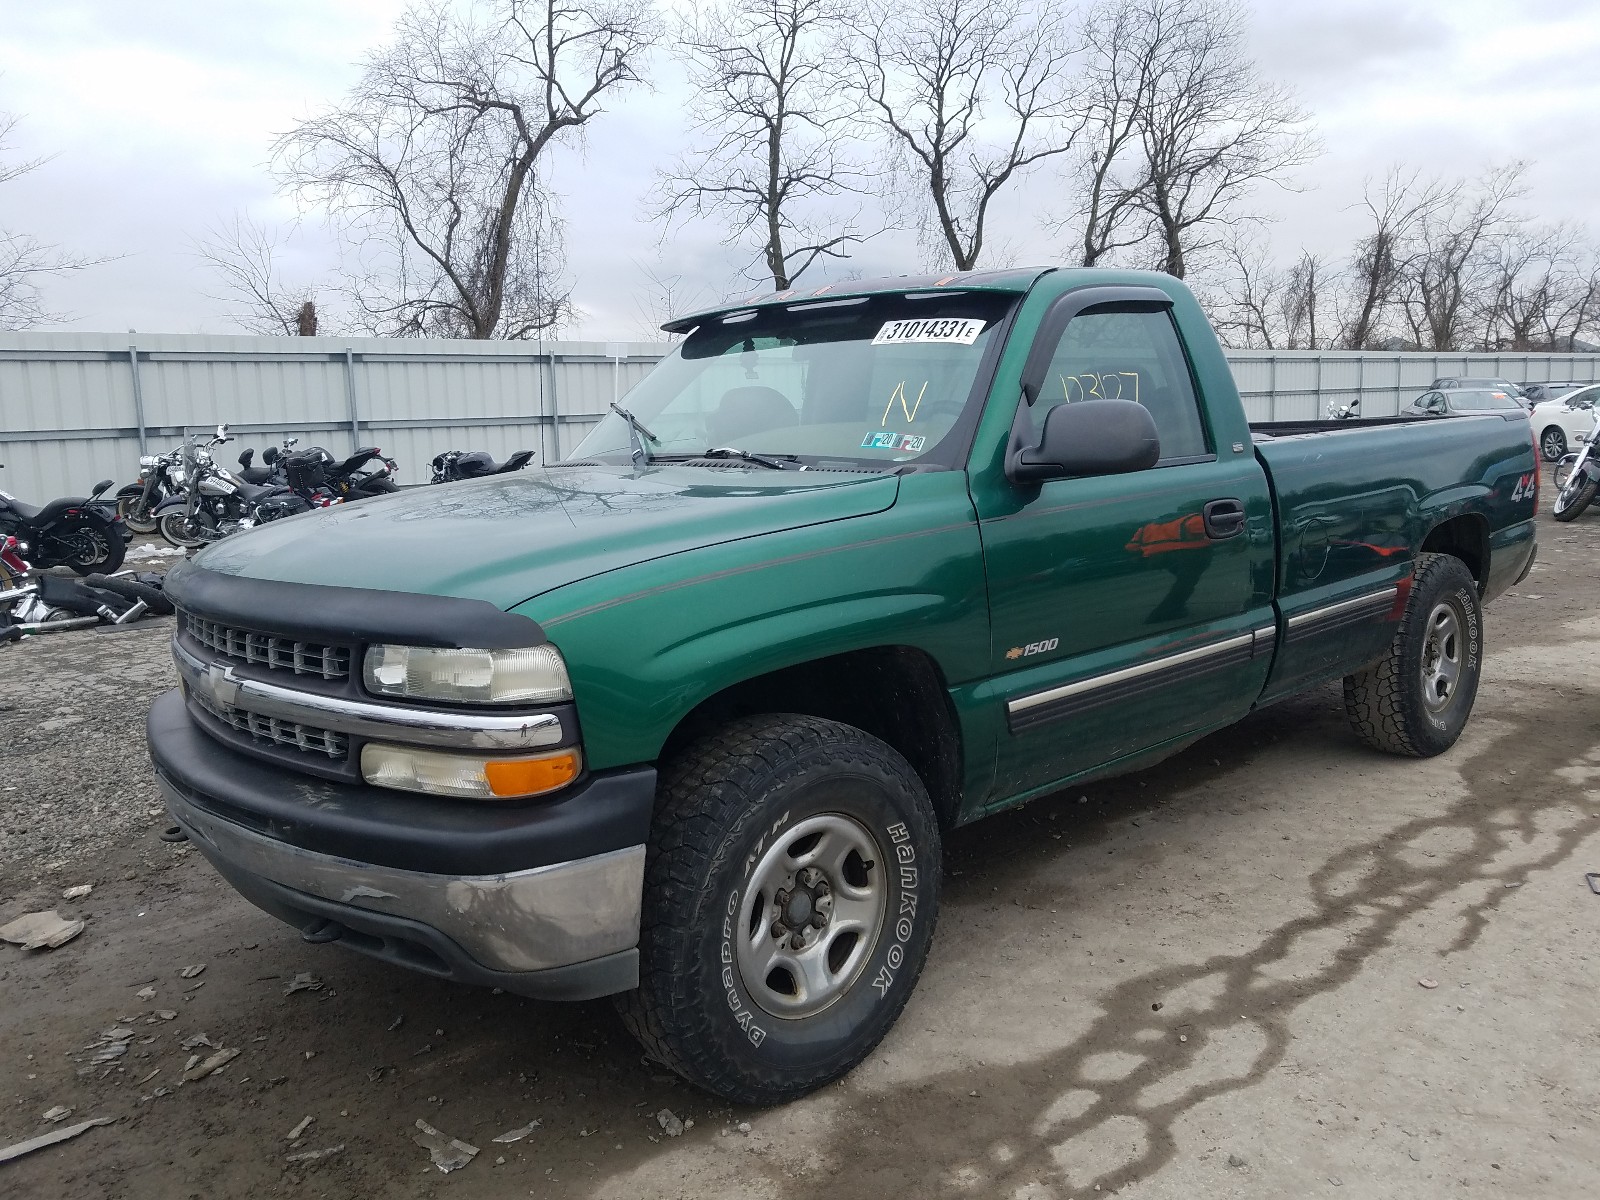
76,407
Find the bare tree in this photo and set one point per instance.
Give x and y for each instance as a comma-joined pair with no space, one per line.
25,261
1309,292
1116,82
1543,289
1382,256
245,257
431,163
666,296
769,99
1210,127
969,94
1248,310
1454,261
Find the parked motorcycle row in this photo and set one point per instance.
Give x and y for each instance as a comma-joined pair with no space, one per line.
190,499
187,497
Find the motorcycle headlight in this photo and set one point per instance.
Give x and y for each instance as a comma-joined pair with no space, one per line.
148,460
527,674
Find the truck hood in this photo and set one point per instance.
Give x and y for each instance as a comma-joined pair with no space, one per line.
509,538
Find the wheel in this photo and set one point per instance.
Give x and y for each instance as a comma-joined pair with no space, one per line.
154,598
174,527
135,514
1575,495
88,545
791,889
1416,699
1553,443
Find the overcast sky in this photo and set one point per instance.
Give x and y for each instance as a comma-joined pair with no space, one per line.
159,115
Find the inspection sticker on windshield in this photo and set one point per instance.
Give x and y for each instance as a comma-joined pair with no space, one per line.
961,330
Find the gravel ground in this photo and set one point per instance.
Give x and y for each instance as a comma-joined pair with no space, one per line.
1206,980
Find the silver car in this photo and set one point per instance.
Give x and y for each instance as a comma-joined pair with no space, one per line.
1462,402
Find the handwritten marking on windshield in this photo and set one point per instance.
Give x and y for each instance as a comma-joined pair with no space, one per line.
907,407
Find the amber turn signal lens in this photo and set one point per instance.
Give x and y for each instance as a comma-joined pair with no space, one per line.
530,776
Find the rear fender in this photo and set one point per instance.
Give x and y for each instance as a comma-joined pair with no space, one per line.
170,504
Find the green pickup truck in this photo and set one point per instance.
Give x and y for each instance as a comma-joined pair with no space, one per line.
685,718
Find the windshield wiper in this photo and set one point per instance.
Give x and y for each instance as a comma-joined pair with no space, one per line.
640,455
788,464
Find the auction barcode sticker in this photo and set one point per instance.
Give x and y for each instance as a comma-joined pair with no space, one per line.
961,330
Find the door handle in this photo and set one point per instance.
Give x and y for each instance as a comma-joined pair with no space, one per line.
1223,518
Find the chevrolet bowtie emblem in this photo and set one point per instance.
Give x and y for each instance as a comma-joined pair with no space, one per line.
224,687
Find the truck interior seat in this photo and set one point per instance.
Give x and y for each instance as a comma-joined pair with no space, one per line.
747,410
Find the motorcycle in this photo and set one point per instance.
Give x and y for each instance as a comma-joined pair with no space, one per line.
1350,410
271,472
1577,476
314,470
214,502
137,502
454,465
46,603
81,532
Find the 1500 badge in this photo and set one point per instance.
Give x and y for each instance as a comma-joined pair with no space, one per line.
1033,648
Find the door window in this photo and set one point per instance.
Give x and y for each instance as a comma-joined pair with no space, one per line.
1123,355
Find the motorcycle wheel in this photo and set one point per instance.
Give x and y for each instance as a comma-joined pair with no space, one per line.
174,526
135,514
1571,501
89,546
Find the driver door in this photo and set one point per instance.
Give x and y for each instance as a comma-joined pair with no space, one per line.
1127,610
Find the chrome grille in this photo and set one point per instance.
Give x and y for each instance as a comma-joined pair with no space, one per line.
307,738
270,650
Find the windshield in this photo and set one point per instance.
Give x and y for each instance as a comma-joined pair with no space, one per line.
1499,385
881,379
1481,401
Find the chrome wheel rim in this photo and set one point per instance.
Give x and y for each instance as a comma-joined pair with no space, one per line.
811,915
1569,489
1555,445
1441,657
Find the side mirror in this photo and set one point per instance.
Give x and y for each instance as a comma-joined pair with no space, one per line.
1091,437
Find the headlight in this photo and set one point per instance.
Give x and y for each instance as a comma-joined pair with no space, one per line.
438,774
533,674
148,460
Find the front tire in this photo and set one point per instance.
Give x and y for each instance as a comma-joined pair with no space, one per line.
791,890
174,528
1416,699
1572,499
1553,443
134,511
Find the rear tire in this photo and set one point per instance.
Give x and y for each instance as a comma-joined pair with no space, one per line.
791,889
89,545
1416,699
1580,499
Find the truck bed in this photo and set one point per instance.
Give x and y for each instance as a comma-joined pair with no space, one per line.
1266,430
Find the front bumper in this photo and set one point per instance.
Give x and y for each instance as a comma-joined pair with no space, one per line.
539,898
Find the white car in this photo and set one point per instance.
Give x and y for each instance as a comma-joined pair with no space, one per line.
1561,424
